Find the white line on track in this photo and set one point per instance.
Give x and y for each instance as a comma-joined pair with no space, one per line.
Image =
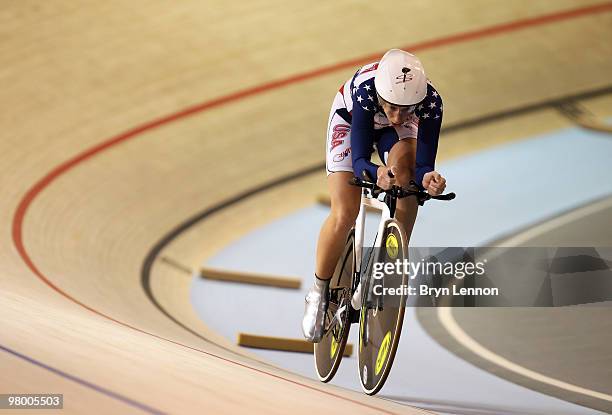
557,222
450,324
447,320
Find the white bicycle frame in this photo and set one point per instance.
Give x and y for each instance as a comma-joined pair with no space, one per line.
368,200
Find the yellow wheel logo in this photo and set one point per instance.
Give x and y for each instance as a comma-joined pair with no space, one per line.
392,246
361,327
334,347
383,353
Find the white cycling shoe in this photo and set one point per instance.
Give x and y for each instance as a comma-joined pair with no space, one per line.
356,298
314,314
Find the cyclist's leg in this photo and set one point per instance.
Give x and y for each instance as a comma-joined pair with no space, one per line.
344,209
344,197
401,153
332,237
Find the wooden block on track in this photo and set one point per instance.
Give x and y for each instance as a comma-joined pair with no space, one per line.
282,344
250,278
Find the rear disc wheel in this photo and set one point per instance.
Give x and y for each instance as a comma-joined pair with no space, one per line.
382,311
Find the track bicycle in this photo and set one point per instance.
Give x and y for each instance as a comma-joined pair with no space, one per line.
381,314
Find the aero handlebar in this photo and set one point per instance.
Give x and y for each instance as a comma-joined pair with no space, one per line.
398,192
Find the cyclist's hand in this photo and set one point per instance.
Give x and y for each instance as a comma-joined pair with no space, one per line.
434,183
384,180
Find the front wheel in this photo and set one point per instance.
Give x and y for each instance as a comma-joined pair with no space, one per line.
329,351
382,309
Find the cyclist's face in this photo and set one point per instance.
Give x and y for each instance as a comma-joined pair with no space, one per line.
396,115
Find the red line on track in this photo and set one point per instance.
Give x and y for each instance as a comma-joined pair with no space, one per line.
38,187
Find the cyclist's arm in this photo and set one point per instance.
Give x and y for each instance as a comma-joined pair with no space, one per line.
430,122
362,133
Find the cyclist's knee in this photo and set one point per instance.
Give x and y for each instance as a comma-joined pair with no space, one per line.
405,175
403,156
344,217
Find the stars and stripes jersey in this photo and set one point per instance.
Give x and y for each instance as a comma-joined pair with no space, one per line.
366,115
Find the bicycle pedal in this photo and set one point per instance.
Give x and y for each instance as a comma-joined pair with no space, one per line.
338,316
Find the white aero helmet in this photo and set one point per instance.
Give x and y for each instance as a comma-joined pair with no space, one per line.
400,78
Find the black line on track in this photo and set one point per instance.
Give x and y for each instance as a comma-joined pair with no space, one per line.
82,382
154,252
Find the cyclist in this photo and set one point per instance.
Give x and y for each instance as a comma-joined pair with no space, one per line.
392,106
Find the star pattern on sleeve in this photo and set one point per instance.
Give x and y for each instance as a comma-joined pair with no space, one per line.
363,96
431,106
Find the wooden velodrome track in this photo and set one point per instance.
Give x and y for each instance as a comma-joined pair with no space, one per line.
122,120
